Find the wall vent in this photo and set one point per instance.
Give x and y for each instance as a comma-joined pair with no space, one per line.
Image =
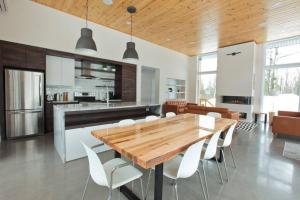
3,7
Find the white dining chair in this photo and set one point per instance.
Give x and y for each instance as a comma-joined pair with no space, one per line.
214,114
126,122
112,174
226,143
151,118
170,114
182,167
210,153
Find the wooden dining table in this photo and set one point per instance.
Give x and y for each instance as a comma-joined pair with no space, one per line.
151,144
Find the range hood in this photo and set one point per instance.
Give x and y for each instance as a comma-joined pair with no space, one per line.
86,71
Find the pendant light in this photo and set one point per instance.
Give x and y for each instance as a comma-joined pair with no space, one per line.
85,43
130,52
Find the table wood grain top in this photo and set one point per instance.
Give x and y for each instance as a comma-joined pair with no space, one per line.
151,143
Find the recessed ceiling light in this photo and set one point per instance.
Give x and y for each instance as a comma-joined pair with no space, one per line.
277,5
108,2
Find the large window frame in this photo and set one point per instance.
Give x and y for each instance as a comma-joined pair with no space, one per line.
201,73
296,65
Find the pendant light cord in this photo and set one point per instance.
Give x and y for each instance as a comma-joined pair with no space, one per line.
131,28
87,11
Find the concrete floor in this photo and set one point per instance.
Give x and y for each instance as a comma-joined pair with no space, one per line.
30,169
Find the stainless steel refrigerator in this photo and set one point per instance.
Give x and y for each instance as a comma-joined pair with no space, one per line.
24,103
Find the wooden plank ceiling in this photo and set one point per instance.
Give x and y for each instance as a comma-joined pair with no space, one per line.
193,27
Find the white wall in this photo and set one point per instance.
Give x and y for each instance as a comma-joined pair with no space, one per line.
33,24
235,73
259,78
150,85
192,79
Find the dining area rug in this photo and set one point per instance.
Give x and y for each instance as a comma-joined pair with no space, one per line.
244,126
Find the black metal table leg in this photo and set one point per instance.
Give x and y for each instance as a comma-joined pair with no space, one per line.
255,117
128,193
220,159
124,189
158,185
266,118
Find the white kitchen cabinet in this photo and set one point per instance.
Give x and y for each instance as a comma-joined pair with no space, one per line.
68,72
60,71
53,65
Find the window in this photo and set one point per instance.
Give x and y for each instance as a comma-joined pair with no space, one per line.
282,75
207,73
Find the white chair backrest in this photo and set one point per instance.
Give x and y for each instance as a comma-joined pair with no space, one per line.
151,118
228,137
214,114
126,122
190,161
170,114
211,148
97,171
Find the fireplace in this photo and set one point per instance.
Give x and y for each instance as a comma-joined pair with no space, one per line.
243,115
244,100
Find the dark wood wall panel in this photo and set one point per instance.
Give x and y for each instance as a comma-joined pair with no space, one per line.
13,55
78,119
35,58
128,82
2,128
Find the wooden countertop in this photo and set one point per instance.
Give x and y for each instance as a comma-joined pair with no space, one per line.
152,143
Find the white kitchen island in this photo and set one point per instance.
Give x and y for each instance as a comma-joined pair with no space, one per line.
74,122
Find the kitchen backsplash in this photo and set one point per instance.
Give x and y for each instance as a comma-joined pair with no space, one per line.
95,88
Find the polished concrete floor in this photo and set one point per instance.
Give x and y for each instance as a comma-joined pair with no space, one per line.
30,169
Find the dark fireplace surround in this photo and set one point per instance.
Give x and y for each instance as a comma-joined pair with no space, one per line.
243,100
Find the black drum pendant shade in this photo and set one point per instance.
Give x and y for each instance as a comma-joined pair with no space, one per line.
130,52
86,43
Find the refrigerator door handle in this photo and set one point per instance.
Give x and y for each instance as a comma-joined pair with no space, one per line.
40,93
24,111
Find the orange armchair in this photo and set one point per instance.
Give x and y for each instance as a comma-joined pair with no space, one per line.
287,123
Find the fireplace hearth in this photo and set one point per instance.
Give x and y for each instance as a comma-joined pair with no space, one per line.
244,100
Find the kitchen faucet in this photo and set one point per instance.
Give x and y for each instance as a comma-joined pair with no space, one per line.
107,96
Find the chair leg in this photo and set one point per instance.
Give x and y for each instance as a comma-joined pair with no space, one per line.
132,183
86,184
225,165
203,169
148,183
142,188
232,157
219,170
176,190
203,191
109,195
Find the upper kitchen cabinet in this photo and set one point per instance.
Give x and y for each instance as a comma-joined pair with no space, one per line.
60,71
22,56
